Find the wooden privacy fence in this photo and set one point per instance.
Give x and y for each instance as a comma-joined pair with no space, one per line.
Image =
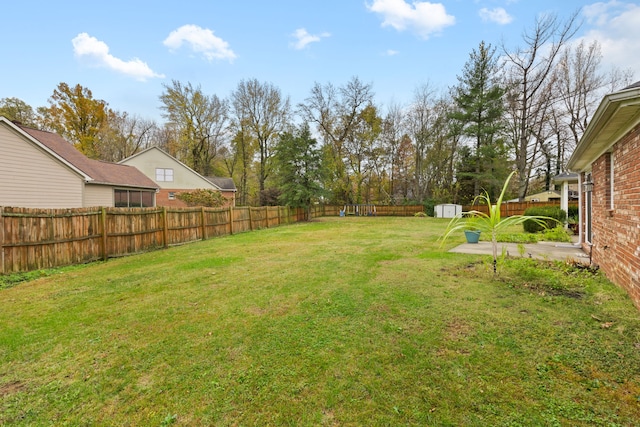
33,239
511,208
380,210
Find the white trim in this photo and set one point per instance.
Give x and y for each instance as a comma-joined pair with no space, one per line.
581,206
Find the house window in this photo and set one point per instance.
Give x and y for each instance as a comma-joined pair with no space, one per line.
133,198
172,195
164,175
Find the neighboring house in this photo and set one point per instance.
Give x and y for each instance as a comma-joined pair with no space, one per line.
42,170
544,196
174,177
607,159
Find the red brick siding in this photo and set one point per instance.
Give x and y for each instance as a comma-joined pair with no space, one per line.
616,232
162,198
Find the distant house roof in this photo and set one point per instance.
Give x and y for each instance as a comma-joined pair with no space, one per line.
543,196
95,171
632,86
224,184
617,114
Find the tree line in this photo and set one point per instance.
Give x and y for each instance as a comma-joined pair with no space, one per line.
522,109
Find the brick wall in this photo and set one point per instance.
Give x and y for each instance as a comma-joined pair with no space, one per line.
616,229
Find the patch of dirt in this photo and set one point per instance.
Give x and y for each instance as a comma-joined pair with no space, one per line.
557,292
457,330
11,388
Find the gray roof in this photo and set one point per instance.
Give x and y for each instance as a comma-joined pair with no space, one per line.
224,184
633,86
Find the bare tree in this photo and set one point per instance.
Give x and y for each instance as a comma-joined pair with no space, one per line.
264,113
124,135
336,113
578,83
529,71
201,123
391,143
429,125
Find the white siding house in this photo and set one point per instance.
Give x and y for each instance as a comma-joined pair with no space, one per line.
41,170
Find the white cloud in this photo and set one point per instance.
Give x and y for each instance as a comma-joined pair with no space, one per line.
85,46
391,52
200,40
497,15
303,38
423,18
615,25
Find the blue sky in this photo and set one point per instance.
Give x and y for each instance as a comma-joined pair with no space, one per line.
124,51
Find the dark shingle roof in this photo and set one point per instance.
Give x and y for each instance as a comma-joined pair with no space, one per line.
633,86
100,172
225,184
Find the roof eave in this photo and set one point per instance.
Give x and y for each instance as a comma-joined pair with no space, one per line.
593,143
113,184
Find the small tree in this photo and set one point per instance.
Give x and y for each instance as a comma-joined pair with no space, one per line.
203,197
491,223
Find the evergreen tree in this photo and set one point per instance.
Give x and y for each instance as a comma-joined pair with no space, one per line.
299,168
480,110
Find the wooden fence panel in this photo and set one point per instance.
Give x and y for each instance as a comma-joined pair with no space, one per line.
217,222
133,230
184,225
241,220
42,238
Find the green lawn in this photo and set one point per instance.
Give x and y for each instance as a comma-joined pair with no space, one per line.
341,321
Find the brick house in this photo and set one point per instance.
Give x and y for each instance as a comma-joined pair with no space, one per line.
41,169
174,177
607,159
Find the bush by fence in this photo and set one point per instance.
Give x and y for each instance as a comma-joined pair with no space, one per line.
33,239
511,208
549,211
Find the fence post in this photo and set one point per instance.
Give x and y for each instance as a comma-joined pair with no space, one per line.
165,227
204,223
1,241
230,220
105,255
250,219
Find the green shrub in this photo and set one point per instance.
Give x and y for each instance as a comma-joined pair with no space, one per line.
429,207
203,197
552,212
572,211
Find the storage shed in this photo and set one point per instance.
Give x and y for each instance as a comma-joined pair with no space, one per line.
447,210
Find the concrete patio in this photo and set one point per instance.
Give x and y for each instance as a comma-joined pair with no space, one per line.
551,251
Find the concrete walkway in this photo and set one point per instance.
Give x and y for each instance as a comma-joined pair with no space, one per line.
552,251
